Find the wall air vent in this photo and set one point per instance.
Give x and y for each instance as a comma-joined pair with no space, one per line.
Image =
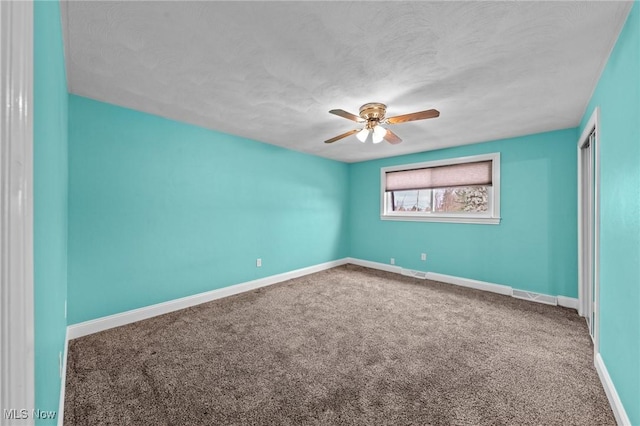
535,297
414,274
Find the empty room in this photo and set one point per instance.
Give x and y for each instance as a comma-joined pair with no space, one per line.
320,212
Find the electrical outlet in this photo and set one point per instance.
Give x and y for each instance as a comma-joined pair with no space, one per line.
393,261
423,256
258,263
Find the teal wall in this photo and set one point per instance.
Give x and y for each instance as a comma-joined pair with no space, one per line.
160,209
50,201
534,247
618,96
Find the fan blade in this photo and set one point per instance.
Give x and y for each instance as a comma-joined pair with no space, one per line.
344,114
392,138
430,113
344,135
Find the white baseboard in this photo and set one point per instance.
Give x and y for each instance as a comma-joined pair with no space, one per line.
475,284
447,279
568,302
100,324
63,379
374,265
614,399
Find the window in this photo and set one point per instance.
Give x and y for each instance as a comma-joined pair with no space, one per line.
465,190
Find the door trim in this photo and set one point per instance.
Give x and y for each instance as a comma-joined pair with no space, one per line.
593,125
17,377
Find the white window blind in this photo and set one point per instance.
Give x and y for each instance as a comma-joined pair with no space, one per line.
465,174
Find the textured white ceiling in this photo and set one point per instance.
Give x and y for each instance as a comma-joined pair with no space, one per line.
271,71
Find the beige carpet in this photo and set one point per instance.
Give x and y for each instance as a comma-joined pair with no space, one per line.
345,346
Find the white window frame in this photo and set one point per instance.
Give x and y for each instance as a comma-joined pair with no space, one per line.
492,217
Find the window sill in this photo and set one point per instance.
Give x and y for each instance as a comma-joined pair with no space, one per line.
444,219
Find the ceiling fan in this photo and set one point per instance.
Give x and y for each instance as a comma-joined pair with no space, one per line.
372,115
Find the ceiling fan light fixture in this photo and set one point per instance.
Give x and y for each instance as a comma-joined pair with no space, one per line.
362,135
378,133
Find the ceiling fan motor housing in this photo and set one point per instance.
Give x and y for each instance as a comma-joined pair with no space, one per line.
373,112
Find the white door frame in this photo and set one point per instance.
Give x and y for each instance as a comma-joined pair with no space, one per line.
592,126
17,382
